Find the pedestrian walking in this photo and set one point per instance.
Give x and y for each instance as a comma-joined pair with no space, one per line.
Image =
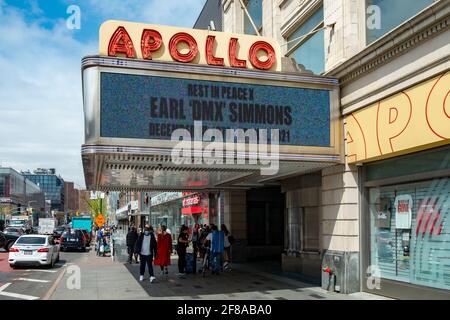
183,241
216,238
147,248
131,239
164,241
227,243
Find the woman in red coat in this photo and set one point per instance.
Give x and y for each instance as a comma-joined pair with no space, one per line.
164,250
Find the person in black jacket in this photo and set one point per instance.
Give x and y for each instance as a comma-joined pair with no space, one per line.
132,237
147,249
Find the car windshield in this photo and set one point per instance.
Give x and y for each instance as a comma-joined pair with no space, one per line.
12,230
31,240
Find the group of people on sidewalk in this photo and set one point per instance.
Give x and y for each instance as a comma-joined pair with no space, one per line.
148,248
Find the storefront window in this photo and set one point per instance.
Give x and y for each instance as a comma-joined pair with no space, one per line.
410,228
384,15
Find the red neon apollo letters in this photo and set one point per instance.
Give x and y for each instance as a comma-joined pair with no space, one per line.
151,41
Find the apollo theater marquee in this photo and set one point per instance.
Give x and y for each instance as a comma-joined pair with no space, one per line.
149,82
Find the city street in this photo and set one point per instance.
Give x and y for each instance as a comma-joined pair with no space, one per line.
104,279
32,283
247,150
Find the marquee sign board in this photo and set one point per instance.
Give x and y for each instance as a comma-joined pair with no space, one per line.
150,82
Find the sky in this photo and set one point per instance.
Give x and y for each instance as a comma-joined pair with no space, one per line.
41,110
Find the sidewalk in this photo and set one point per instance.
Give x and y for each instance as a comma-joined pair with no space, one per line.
101,278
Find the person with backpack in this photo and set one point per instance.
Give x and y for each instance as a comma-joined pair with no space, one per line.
227,243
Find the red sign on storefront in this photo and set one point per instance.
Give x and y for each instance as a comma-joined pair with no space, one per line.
191,201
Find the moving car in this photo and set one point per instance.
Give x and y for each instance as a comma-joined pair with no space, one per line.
35,250
73,239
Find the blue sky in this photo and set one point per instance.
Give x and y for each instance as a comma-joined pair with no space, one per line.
41,117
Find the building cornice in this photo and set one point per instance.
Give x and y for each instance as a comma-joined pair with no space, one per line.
431,22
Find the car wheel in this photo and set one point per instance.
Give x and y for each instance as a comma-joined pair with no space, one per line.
12,266
83,249
61,249
9,245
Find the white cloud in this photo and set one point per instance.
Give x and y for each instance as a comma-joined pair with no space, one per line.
41,117
41,121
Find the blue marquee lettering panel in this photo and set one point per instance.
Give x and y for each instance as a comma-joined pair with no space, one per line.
133,106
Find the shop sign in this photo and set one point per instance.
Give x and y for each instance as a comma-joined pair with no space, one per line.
165,197
191,201
403,211
415,119
164,43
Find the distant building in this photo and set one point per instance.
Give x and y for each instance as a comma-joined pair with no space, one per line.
71,194
51,184
83,199
18,193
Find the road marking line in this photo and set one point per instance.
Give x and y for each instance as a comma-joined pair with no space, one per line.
40,270
31,280
15,295
3,287
55,285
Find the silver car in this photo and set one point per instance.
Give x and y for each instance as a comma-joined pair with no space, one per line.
35,250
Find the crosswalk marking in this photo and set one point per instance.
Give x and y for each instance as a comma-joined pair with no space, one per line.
31,280
15,295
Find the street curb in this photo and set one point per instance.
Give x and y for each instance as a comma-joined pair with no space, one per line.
55,285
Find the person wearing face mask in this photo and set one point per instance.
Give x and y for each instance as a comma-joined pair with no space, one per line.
146,247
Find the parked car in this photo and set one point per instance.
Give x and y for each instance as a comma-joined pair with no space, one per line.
35,250
88,237
73,239
2,240
7,240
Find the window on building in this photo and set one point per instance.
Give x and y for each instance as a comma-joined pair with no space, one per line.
384,15
306,46
409,222
254,8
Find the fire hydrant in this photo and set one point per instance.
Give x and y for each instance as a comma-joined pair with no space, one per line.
331,279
